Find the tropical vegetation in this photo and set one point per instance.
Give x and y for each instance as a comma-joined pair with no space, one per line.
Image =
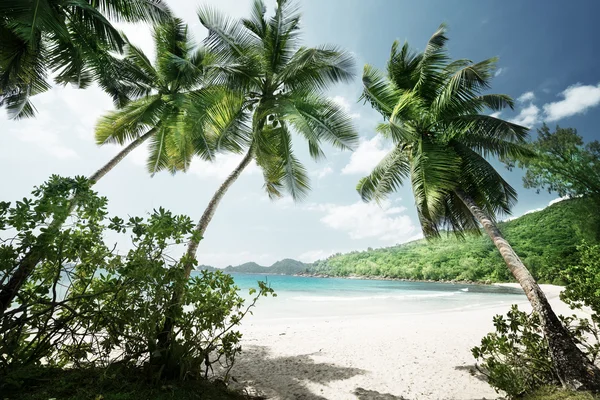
564,164
107,324
474,258
516,358
433,109
72,39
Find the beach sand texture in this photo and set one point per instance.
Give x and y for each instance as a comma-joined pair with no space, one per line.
380,357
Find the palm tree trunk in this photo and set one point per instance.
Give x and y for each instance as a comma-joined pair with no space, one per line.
573,368
119,157
164,336
28,263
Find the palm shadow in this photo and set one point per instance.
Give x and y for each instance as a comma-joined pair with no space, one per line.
473,371
364,394
259,374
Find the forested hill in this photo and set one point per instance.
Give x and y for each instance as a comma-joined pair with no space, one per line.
283,267
545,240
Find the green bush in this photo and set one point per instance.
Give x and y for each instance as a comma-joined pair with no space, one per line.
88,306
515,358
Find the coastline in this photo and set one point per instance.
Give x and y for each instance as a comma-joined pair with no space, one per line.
368,357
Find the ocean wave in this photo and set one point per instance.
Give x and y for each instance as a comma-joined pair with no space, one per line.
374,297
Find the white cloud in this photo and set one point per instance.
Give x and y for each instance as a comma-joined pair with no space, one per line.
368,220
496,114
41,132
558,200
528,116
577,100
223,165
345,105
499,71
367,156
527,96
323,172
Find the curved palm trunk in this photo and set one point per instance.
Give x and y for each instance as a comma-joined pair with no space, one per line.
120,156
164,336
573,368
27,265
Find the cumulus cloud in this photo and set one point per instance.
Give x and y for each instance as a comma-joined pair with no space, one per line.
367,156
577,99
345,105
528,116
527,96
368,220
323,172
221,167
496,114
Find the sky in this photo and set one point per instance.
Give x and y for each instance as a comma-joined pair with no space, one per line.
548,61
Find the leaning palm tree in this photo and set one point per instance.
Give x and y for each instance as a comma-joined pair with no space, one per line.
171,107
172,103
71,38
283,85
433,110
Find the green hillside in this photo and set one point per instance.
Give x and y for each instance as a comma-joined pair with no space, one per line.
546,240
284,267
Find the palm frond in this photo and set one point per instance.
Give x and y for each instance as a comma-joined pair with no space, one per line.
256,23
280,41
295,179
378,91
227,37
434,173
321,119
127,124
386,177
317,68
158,157
155,11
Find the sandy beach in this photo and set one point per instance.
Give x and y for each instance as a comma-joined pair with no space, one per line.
381,357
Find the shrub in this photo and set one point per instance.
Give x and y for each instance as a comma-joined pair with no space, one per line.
86,305
515,358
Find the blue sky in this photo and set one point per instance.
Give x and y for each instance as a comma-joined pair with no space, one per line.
548,59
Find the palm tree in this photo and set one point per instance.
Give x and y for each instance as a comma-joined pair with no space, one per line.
283,85
70,38
432,108
171,108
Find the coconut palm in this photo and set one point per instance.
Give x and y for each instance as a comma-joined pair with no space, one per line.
433,110
71,38
170,106
283,85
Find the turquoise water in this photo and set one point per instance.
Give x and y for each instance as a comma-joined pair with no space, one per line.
300,297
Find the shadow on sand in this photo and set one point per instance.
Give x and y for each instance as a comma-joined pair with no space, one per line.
286,377
363,394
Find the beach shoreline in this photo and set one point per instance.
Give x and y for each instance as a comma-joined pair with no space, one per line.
411,356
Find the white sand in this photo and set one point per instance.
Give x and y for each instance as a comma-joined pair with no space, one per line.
370,358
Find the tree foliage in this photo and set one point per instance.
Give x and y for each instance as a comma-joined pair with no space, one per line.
282,83
545,251
435,115
70,39
516,359
563,164
87,305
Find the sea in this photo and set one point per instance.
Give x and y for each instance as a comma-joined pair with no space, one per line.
310,297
